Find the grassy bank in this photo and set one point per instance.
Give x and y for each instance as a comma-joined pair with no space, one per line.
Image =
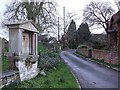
61,77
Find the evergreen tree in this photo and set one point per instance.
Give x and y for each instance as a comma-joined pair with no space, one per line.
83,33
71,35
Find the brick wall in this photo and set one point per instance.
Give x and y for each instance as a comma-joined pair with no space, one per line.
108,56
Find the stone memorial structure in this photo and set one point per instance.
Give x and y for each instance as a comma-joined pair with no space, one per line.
23,44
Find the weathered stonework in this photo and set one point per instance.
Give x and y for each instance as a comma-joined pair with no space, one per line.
23,46
8,77
27,66
27,72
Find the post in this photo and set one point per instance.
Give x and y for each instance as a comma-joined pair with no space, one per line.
58,31
64,19
90,53
64,27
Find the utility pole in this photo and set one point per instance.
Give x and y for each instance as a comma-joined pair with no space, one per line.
64,42
58,31
64,19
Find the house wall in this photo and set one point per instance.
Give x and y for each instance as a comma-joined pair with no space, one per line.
119,41
113,40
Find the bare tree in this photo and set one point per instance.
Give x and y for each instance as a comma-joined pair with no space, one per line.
42,13
69,17
117,2
98,13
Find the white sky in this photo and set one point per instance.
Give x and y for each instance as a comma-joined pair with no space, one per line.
76,6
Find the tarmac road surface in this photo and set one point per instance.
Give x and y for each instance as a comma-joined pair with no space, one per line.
90,74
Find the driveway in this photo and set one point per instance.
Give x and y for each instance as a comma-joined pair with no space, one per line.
90,74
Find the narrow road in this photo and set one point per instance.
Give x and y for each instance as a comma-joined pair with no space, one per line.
90,74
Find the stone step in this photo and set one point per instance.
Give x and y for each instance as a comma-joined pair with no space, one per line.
8,77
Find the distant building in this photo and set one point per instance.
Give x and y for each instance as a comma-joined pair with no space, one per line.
99,37
41,38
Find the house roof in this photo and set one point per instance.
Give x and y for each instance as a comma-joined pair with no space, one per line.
100,37
23,25
42,37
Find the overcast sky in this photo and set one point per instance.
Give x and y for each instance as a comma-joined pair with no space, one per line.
75,6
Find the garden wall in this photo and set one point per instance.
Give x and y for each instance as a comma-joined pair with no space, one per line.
108,56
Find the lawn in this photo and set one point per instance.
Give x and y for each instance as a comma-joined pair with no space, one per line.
61,77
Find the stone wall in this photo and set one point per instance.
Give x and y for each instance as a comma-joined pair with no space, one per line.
8,77
108,56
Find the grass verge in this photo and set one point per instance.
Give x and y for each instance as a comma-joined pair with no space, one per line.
61,77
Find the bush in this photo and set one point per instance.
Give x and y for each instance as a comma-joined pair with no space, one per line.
48,60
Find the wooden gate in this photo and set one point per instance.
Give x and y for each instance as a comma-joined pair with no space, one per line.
11,62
